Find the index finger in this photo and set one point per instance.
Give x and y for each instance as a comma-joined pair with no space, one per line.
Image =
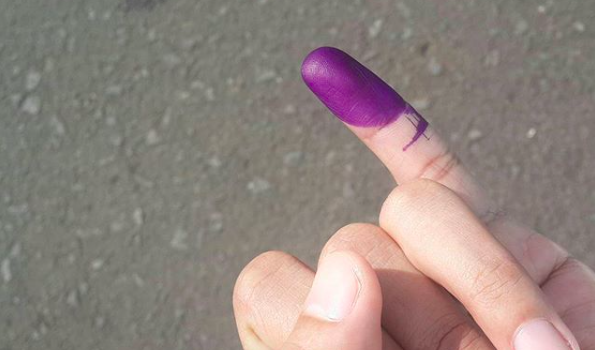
411,149
400,137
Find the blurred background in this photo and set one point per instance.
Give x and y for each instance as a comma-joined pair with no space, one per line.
150,148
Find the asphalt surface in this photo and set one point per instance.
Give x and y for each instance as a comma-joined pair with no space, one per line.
150,148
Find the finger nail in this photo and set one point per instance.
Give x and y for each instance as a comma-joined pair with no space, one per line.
542,335
335,288
355,94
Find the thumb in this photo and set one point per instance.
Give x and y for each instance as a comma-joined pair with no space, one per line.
343,309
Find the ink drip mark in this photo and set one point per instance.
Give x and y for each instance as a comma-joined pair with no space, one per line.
420,124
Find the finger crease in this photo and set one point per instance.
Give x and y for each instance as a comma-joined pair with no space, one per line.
439,167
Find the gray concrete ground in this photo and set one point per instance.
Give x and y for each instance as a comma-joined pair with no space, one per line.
150,148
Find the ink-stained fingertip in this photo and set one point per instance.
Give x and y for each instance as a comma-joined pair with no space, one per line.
351,91
354,93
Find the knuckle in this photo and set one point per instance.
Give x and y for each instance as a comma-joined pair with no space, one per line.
350,237
495,280
415,194
439,167
570,266
257,274
291,345
446,332
306,335
369,242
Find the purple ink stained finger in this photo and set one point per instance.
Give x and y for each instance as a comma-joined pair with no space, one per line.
355,94
351,91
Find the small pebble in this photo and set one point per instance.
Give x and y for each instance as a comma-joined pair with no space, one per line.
178,241
474,134
404,9
258,185
151,35
531,133
138,280
434,67
116,227
182,95
189,43
43,328
57,125
5,270
18,209
375,28
515,170
293,158
99,322
15,251
32,80
289,109
407,33
116,140
110,121
579,26
210,94
97,264
48,65
171,60
421,104
72,299
83,288
215,222
521,27
166,119
492,59
114,90
152,137
266,75
31,105
138,216
214,162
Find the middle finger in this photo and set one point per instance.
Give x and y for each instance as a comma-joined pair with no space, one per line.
443,239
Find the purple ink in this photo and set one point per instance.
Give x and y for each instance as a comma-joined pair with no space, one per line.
421,125
355,94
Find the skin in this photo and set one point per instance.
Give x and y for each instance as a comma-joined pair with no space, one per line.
439,237
354,93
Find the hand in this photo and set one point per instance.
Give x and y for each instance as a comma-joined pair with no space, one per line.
392,287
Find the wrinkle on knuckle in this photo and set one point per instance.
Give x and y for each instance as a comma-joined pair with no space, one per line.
260,271
439,167
290,345
584,336
445,332
360,238
494,281
569,265
352,232
474,340
412,198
